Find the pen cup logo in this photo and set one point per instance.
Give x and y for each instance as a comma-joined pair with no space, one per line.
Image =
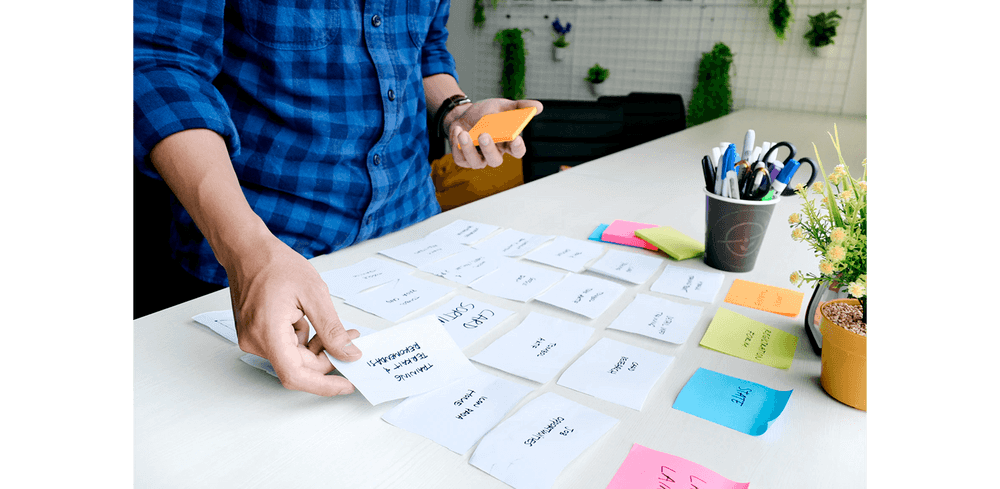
740,235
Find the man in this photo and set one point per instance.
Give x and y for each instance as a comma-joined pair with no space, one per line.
286,131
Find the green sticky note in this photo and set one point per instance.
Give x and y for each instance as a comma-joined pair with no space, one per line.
737,335
674,243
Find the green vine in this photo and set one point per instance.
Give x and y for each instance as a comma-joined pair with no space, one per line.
513,54
780,15
713,95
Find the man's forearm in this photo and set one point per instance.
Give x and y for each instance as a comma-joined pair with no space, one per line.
196,166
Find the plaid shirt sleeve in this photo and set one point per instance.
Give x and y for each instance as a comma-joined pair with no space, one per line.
435,58
177,52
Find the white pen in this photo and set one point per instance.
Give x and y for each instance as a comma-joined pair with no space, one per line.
734,185
748,145
716,154
766,145
756,155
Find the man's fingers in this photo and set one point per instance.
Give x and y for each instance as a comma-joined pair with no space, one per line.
302,330
288,362
490,151
318,307
468,156
530,103
516,148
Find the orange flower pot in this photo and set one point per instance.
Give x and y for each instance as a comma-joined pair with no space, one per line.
844,373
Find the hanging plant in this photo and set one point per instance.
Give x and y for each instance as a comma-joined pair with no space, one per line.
780,15
822,28
478,12
713,95
513,54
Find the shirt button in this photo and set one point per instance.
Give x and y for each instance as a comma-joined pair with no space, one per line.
378,160
369,219
392,95
376,20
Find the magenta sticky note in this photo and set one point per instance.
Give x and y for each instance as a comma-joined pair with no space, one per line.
645,467
623,232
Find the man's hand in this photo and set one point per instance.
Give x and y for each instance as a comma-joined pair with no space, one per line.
464,117
276,293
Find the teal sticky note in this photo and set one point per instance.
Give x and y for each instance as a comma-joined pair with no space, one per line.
596,235
734,403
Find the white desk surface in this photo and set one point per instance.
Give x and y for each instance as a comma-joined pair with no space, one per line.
203,418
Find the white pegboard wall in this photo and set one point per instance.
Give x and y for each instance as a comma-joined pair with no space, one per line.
655,46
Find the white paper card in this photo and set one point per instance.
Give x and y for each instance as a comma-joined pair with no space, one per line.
538,348
697,285
405,360
531,448
423,251
223,323
517,281
513,243
457,415
465,232
567,253
630,267
658,318
265,365
365,274
466,266
393,301
467,320
582,294
616,372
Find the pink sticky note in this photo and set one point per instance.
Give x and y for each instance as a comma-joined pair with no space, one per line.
645,467
623,232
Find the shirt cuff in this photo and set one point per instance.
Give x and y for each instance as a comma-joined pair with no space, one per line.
166,102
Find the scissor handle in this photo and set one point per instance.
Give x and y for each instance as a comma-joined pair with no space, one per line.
789,190
791,151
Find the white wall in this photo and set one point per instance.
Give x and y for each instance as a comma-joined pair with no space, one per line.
655,46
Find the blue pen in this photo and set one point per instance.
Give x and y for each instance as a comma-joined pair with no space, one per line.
779,184
726,165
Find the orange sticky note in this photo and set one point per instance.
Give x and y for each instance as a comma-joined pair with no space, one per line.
765,298
502,127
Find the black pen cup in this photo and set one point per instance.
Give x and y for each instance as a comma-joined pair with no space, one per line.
734,231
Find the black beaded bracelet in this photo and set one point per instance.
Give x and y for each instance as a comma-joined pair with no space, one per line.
447,106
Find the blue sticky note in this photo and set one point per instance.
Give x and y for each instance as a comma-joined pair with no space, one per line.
596,235
734,403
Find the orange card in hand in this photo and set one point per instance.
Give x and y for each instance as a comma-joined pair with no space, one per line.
502,127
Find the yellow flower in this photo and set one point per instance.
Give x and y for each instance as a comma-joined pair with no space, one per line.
795,278
836,253
817,187
800,188
825,267
834,179
798,235
838,235
846,195
794,218
862,186
857,289
840,169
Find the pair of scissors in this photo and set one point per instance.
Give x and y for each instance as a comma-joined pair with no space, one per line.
775,169
749,191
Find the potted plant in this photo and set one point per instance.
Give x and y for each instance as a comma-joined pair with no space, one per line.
836,228
513,53
822,30
559,44
713,95
596,75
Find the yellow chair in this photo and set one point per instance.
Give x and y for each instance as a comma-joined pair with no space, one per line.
456,186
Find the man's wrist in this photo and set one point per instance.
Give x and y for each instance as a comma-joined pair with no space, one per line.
453,116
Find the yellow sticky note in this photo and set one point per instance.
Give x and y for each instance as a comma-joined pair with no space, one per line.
765,298
672,242
737,335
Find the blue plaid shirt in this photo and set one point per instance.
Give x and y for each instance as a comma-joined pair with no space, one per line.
321,107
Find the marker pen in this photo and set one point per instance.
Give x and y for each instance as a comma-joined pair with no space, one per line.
779,184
